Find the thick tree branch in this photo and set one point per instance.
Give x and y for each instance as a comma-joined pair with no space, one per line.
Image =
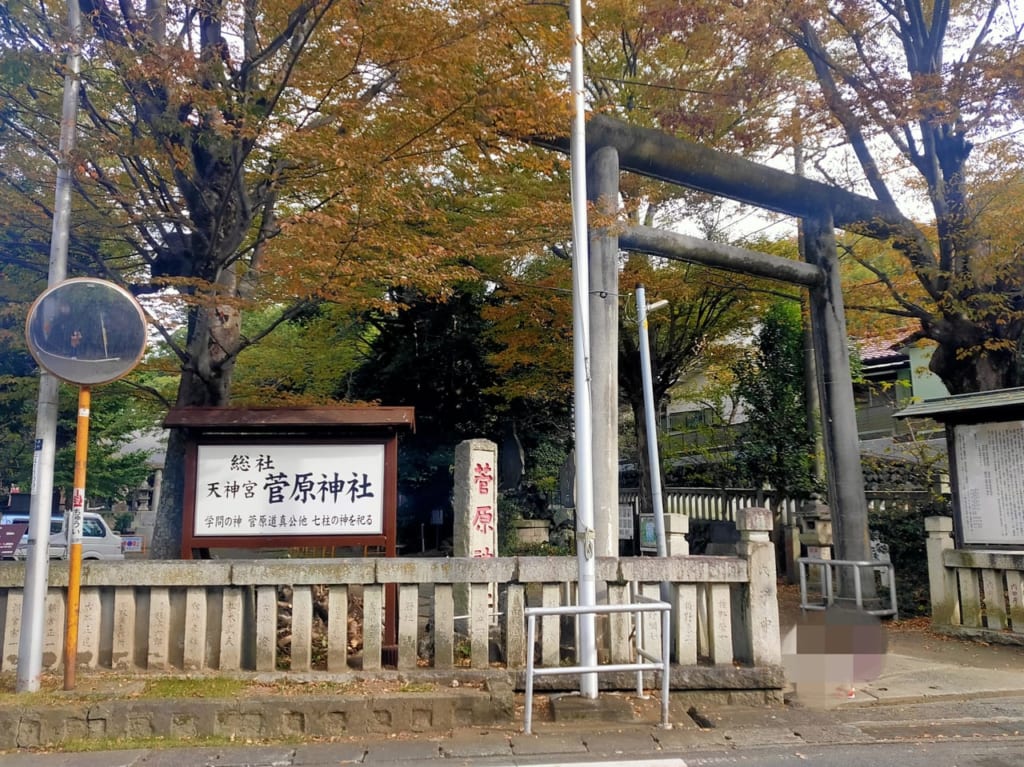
810,43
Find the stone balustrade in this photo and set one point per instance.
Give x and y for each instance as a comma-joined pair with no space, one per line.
974,592
226,615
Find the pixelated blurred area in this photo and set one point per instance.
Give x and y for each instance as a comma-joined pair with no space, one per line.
827,653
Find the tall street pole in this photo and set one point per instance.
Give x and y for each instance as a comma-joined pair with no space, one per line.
650,424
30,643
585,545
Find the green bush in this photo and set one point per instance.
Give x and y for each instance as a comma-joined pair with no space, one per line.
902,529
540,550
123,522
510,508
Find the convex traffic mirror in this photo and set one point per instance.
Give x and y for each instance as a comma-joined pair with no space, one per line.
86,331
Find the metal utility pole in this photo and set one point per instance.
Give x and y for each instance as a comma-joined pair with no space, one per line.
585,545
651,427
30,644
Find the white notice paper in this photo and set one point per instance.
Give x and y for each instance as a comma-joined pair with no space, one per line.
990,479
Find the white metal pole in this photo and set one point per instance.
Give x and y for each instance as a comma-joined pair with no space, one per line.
30,644
647,379
585,545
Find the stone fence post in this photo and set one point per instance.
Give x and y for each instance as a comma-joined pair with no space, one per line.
941,579
760,609
676,528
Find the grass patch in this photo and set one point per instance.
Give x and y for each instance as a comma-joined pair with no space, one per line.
287,686
151,742
51,692
112,686
190,687
154,742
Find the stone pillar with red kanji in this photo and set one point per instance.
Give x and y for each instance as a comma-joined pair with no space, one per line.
476,506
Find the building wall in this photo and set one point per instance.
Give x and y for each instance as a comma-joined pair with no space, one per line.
927,385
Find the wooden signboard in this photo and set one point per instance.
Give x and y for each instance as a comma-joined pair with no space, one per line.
290,477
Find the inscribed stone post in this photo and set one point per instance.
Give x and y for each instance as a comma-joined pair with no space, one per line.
476,512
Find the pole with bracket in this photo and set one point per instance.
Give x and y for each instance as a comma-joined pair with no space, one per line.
650,425
74,525
30,644
582,402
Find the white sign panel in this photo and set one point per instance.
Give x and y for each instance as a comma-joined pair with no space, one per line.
274,490
990,480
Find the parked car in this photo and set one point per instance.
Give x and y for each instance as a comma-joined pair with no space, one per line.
98,540
57,545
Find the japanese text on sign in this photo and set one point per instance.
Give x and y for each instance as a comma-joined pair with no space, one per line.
483,506
989,463
289,490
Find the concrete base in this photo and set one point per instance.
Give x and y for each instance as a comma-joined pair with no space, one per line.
689,679
604,708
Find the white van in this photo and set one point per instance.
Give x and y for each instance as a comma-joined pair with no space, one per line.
98,540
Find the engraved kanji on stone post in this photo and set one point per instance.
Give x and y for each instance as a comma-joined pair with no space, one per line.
476,508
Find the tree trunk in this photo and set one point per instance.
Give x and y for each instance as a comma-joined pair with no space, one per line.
167,528
201,384
972,358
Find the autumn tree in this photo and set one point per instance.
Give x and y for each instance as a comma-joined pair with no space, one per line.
283,154
636,68
705,311
432,355
531,322
926,98
532,318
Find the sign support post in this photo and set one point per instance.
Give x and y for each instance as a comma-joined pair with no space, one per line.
74,527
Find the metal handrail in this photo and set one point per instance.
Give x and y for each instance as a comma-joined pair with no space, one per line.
653,663
858,590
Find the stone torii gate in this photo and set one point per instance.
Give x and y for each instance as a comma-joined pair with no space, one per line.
613,145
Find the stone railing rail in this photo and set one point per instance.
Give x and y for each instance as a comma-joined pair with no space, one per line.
721,504
223,615
717,503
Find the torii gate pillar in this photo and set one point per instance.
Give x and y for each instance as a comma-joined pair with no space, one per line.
603,191
838,414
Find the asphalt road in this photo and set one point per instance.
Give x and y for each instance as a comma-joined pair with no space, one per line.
1004,752
949,754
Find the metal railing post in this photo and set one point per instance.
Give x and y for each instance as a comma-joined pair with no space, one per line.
828,595
645,661
531,636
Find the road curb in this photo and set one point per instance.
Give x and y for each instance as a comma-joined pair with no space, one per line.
261,718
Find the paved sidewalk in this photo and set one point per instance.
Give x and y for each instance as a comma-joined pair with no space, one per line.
907,679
